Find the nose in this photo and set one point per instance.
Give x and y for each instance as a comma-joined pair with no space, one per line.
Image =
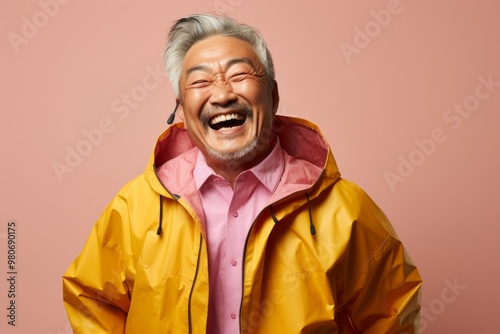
222,93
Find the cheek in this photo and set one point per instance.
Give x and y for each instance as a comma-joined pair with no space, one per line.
192,105
195,97
250,89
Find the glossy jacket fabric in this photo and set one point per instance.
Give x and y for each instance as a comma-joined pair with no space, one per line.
321,259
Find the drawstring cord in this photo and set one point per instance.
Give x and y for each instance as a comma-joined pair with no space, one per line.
275,220
312,228
158,232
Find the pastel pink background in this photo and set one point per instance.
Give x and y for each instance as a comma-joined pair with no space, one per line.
64,78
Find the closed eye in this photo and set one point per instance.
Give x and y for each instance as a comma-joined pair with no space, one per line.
239,76
200,83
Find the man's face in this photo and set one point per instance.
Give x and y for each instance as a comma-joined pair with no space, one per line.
227,100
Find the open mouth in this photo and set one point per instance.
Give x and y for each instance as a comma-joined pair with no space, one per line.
227,121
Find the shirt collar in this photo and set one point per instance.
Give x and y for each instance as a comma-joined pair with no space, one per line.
268,171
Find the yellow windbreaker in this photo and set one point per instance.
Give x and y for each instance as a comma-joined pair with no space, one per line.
321,259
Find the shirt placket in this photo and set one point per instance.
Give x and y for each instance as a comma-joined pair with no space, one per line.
236,234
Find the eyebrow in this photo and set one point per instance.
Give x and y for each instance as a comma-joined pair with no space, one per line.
234,61
228,64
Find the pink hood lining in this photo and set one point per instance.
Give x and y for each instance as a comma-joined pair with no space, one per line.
300,139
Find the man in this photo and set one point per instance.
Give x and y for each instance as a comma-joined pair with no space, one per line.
241,221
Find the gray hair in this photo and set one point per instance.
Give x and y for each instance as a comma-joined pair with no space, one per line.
189,30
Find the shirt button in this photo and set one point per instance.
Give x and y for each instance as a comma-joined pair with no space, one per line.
235,214
233,315
234,263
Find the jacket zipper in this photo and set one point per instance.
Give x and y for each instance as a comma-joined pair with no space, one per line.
190,320
295,194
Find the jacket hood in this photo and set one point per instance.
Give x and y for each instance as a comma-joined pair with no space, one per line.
300,138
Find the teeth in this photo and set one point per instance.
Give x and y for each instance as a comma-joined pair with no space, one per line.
222,118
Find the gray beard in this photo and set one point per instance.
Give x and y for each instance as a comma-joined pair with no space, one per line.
233,156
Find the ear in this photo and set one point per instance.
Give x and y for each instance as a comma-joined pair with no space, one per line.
276,97
180,110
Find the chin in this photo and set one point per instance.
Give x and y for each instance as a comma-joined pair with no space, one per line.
247,152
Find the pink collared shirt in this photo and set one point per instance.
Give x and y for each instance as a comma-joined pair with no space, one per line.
229,215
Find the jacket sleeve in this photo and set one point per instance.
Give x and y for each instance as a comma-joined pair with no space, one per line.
95,291
384,286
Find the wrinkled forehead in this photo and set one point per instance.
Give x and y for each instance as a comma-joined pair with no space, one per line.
219,51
